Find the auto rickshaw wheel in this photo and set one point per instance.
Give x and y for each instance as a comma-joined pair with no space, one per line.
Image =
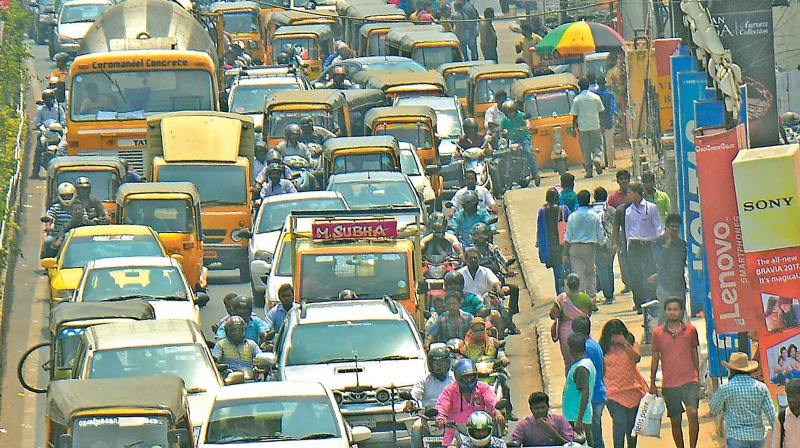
21,368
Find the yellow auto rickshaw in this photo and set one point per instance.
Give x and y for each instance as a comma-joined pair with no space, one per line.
359,101
313,43
328,108
105,173
372,37
399,84
173,210
484,80
455,74
546,101
67,322
359,14
357,154
430,48
243,21
291,17
145,411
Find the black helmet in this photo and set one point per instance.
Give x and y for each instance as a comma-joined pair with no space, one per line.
83,182
273,156
293,128
282,58
61,58
470,123
48,94
305,121
288,49
438,222
273,167
439,360
453,281
478,229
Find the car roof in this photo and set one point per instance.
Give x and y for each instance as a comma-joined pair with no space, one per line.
268,81
270,389
88,2
122,262
111,229
303,196
434,102
387,176
349,310
146,333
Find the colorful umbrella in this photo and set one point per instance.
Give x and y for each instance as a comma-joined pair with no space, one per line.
578,38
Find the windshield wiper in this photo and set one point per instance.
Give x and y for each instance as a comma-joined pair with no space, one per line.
115,84
392,358
129,445
218,202
333,360
130,297
318,435
252,439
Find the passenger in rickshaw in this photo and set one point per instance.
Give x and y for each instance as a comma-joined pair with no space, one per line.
339,80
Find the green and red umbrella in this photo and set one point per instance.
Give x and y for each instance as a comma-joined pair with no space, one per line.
579,38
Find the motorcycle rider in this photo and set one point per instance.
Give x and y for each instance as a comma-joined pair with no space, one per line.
234,350
292,146
311,133
454,284
49,111
58,215
453,323
61,74
339,79
426,391
478,344
467,216
439,242
516,125
493,259
276,184
480,428
272,156
485,198
494,114
461,398
94,207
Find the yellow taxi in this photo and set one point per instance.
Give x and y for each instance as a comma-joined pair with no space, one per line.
87,243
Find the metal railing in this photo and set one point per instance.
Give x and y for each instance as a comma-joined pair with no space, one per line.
14,180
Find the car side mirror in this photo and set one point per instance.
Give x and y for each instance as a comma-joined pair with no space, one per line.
179,438
360,434
48,263
65,441
234,378
201,299
243,234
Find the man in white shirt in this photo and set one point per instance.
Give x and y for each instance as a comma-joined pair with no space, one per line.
485,198
585,110
494,114
478,279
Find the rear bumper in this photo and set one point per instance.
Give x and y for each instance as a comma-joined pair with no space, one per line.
224,256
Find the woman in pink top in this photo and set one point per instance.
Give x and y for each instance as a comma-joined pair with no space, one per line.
464,396
625,386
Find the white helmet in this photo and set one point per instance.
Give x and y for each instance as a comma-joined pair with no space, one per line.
66,193
480,426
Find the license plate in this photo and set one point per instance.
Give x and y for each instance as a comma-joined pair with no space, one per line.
368,423
210,254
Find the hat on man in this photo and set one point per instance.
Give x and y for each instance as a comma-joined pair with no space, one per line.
477,321
740,362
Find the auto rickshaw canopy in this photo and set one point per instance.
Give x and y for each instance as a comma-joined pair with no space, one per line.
354,143
368,27
479,71
164,393
364,98
412,40
522,87
330,97
366,11
69,312
400,113
463,66
183,188
322,32
223,7
343,5
297,17
390,79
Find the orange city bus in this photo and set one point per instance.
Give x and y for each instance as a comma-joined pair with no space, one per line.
113,93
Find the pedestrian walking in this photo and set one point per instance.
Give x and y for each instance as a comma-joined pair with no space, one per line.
642,228
568,305
604,255
669,252
617,198
607,119
579,389
525,42
585,110
567,196
469,28
619,245
743,401
625,386
676,342
549,237
593,351
656,196
445,16
584,234
488,35
787,425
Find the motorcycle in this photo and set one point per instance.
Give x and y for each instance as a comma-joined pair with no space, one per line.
512,167
475,159
302,171
434,268
51,136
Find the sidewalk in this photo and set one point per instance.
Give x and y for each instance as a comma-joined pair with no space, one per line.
521,208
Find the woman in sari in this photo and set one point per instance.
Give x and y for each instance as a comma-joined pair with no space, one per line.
569,305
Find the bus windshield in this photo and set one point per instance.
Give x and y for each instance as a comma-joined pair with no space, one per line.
131,95
229,185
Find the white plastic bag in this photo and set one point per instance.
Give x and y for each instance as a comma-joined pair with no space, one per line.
648,418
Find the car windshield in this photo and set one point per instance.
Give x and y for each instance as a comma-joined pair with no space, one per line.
83,249
457,84
274,214
365,340
279,418
279,119
400,66
244,22
305,47
218,184
418,134
82,13
133,95
113,283
484,91
163,215
369,275
104,183
354,163
250,99
186,361
408,164
432,57
375,194
120,431
549,104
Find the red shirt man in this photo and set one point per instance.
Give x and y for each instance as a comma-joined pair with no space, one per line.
617,198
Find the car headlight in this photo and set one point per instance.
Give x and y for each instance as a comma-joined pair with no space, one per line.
338,397
263,255
383,395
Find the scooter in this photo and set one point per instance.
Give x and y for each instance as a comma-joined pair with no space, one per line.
475,160
512,167
302,171
51,135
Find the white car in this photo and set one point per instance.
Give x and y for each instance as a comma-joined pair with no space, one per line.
286,414
74,21
449,117
412,167
252,86
267,230
159,280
